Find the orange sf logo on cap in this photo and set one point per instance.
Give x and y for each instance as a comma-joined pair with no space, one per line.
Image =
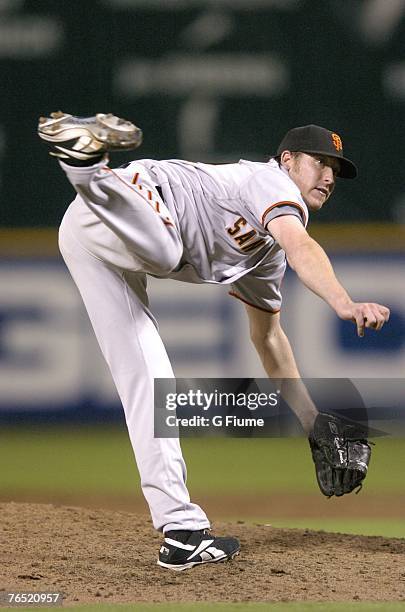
337,142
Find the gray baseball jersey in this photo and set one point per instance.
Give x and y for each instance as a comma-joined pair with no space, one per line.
221,212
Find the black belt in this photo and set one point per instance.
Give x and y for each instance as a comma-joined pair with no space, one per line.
160,192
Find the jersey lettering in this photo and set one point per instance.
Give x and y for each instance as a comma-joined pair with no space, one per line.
245,237
236,227
245,241
253,245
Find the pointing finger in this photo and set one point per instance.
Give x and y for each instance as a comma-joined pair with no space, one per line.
360,322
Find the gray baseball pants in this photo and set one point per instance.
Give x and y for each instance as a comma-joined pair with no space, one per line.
112,234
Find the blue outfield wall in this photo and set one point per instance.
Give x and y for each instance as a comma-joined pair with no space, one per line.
51,367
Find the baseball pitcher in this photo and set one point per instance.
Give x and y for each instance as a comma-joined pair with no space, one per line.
233,224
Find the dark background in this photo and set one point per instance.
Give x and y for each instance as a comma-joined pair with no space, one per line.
68,55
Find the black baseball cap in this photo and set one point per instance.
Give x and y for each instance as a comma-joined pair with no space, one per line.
316,139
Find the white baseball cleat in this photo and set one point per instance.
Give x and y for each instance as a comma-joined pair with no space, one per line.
185,549
84,141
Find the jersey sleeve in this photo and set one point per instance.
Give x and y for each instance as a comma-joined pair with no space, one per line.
270,193
281,209
261,288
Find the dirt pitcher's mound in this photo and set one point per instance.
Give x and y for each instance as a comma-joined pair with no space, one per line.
96,555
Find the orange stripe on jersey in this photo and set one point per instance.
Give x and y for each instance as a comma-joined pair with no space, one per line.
135,179
165,221
285,203
233,294
107,169
157,207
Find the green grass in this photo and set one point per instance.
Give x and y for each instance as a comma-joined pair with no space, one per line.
264,465
100,460
76,460
239,607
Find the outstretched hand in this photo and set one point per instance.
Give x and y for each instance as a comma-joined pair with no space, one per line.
363,315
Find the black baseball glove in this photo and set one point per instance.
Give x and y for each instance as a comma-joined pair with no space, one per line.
341,454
